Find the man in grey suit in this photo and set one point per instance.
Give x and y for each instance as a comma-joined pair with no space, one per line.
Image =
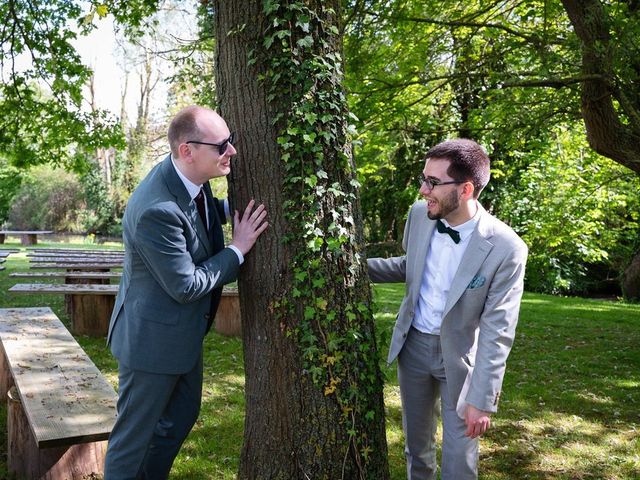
464,272
174,269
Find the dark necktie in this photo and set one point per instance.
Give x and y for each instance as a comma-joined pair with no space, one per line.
454,234
199,199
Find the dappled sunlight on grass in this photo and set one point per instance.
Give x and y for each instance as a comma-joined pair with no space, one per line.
569,408
569,404
626,383
528,300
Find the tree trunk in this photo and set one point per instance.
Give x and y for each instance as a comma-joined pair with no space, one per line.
631,280
612,131
314,405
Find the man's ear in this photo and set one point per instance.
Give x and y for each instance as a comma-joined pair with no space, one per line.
184,150
467,190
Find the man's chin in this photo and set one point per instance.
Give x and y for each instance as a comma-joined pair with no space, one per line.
223,172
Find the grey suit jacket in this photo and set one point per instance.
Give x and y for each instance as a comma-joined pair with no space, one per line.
481,312
173,274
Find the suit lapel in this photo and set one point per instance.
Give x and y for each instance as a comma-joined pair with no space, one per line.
473,258
184,201
424,233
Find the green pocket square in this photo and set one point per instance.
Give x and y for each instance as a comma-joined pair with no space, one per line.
476,282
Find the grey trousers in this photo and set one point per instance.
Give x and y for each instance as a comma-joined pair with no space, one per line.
155,414
422,381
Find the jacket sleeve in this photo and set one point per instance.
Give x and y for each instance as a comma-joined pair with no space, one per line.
497,330
162,246
394,269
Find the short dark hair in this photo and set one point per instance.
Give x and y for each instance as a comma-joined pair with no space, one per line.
183,127
469,161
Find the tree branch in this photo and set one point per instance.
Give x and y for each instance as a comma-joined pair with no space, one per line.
530,38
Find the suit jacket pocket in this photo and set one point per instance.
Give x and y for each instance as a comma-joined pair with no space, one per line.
157,313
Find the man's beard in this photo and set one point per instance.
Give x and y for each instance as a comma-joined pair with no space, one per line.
445,206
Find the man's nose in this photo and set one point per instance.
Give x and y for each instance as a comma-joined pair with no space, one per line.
231,150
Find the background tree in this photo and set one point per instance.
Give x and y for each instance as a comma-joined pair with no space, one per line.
510,75
43,79
313,387
610,93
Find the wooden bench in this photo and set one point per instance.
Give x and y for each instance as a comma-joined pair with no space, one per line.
82,256
27,237
103,276
93,266
61,409
74,260
83,251
91,305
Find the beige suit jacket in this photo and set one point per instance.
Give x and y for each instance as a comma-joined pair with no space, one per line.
482,308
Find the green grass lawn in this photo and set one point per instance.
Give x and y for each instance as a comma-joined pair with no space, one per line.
570,406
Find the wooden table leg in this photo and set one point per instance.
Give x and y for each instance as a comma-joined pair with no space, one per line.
91,314
26,460
228,320
29,238
6,379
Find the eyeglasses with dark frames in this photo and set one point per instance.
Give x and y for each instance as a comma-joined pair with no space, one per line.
431,182
222,147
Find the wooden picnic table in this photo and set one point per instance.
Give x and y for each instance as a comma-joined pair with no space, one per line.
91,304
78,266
65,260
73,255
27,237
71,250
69,275
63,409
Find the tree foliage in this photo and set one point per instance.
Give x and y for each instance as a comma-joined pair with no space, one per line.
42,117
511,75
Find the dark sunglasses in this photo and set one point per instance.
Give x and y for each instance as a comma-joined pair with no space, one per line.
222,147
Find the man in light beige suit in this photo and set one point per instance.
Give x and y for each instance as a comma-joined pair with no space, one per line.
464,272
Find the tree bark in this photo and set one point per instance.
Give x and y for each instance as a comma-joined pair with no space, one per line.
631,280
314,405
611,120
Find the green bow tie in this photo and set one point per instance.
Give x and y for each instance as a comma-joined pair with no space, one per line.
442,228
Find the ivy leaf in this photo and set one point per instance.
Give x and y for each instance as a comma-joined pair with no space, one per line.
305,42
309,313
270,6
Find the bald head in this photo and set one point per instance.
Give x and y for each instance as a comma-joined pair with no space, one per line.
189,124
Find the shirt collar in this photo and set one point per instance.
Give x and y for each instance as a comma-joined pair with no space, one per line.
192,189
465,229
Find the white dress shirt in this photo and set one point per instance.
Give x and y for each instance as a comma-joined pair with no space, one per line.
193,191
441,263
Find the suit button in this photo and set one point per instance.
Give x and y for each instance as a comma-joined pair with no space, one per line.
412,313
207,316
404,335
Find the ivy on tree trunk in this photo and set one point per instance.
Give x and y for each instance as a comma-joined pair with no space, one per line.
314,403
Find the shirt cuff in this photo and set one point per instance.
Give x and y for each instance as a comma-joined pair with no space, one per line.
238,252
227,213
